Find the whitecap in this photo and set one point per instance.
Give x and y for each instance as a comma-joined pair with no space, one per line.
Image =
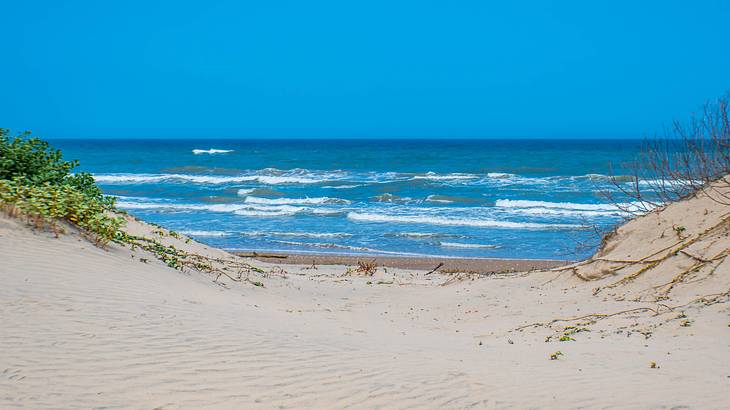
436,177
344,247
201,179
439,199
500,175
421,235
438,220
254,210
298,234
467,245
519,203
205,233
341,186
245,191
540,211
296,201
211,151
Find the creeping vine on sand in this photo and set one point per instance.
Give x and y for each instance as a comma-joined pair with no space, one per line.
660,309
234,270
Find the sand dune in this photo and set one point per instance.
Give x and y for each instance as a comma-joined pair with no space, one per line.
86,327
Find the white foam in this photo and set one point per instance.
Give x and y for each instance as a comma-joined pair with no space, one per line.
420,235
284,210
345,247
202,179
341,186
245,191
467,245
436,177
540,211
512,203
435,198
438,220
298,234
312,234
669,183
254,210
268,213
180,207
500,175
211,151
205,233
296,201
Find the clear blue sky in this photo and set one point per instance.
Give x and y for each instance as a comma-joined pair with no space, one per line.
358,68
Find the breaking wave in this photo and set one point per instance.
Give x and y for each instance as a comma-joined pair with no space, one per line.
202,179
205,233
445,177
440,220
344,247
467,245
211,151
238,209
519,203
296,201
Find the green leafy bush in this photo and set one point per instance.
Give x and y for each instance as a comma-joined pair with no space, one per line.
37,183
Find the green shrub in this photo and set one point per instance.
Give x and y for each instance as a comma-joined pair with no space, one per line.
33,161
37,183
45,204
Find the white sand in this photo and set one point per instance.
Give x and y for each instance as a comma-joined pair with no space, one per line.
84,327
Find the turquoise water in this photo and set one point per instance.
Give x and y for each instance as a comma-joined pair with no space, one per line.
484,198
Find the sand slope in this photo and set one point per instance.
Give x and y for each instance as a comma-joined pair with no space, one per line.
85,327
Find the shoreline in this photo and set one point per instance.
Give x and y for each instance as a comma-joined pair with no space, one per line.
426,263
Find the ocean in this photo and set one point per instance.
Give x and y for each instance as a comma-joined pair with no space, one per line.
526,199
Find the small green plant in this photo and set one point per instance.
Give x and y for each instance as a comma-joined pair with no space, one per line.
653,365
679,230
554,356
566,338
44,205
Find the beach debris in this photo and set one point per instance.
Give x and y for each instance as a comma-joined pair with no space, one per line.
366,268
261,255
554,356
435,269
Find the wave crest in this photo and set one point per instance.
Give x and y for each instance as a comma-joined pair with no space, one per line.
296,201
467,245
439,220
211,151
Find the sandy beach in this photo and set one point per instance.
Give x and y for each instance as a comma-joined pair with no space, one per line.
441,264
89,327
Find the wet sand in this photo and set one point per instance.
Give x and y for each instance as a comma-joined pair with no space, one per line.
476,265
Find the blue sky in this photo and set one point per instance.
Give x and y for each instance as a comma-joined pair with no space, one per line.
575,69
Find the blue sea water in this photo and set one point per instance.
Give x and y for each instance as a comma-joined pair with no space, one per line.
468,198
